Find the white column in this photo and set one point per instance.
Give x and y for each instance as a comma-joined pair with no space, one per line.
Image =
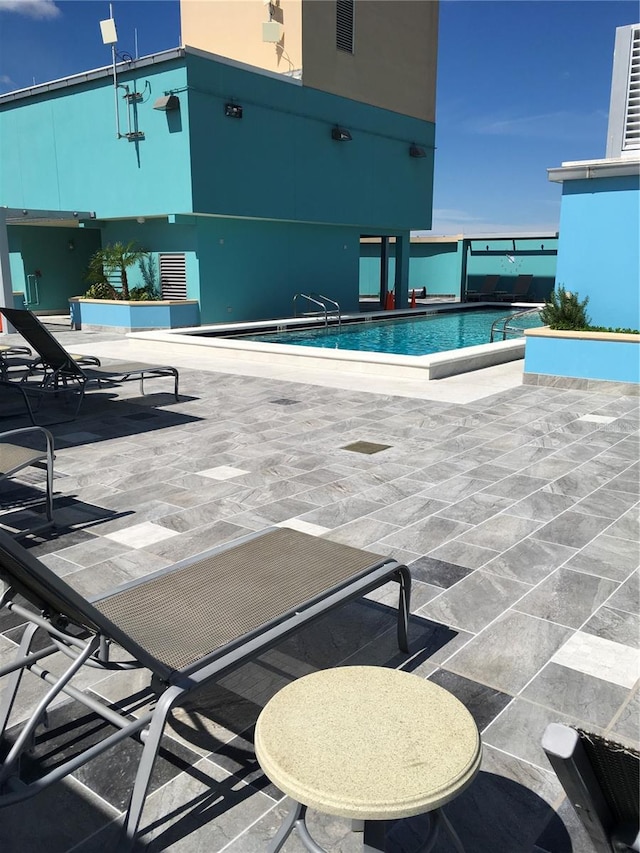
6,288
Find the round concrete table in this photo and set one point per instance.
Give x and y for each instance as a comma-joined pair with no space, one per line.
368,743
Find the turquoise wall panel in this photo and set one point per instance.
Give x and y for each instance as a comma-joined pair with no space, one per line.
252,270
134,316
279,161
439,266
615,361
599,253
435,266
60,149
59,271
511,258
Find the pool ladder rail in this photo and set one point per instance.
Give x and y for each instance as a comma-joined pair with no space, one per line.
322,302
507,329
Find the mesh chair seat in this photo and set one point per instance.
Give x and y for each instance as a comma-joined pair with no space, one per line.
13,457
180,616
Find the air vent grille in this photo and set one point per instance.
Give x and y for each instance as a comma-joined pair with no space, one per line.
173,276
344,25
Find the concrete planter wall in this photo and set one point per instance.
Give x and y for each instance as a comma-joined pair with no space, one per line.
591,360
133,316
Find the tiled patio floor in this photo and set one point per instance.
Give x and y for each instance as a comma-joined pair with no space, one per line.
517,512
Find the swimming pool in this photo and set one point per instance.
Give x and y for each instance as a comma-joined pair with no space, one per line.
422,335
229,343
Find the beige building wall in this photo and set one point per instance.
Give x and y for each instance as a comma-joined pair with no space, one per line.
393,64
233,28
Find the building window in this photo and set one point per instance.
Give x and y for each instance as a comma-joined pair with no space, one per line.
344,25
173,276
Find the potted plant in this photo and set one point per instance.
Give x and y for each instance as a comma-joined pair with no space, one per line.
569,351
132,308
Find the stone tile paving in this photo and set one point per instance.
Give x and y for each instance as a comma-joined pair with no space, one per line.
518,514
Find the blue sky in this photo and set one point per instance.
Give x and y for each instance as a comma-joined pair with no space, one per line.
523,85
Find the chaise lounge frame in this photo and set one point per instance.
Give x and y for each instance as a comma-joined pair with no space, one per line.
602,781
187,624
14,457
59,370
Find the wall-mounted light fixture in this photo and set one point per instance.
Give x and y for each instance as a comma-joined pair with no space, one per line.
166,103
71,245
233,110
340,134
416,151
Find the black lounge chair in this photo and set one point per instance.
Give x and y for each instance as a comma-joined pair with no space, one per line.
14,457
602,781
59,369
487,290
521,288
187,625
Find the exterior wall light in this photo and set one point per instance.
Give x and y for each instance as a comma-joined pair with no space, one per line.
233,110
71,245
340,134
416,151
166,103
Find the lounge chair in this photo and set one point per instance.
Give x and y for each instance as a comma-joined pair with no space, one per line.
602,781
187,624
521,288
14,457
487,290
61,371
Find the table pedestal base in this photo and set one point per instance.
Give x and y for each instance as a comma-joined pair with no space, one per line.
374,832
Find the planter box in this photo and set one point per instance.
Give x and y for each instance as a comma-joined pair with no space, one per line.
591,360
120,315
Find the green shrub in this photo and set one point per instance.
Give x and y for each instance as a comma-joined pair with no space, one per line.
147,266
563,310
616,331
102,290
143,294
114,259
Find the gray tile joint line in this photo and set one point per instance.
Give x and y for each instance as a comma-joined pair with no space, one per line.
536,674
513,607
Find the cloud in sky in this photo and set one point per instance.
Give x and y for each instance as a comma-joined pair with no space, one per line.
40,9
6,83
559,124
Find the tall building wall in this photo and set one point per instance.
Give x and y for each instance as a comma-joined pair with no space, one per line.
234,28
378,52
393,63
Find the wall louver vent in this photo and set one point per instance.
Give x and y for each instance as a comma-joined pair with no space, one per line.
344,25
623,134
632,114
173,276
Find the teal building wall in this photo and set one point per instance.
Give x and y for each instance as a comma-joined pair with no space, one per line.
60,152
263,206
436,266
56,258
599,253
452,267
510,258
610,361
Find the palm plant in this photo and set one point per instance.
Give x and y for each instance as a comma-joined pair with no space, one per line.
564,310
114,258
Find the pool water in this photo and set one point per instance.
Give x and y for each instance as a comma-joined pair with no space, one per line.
422,335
